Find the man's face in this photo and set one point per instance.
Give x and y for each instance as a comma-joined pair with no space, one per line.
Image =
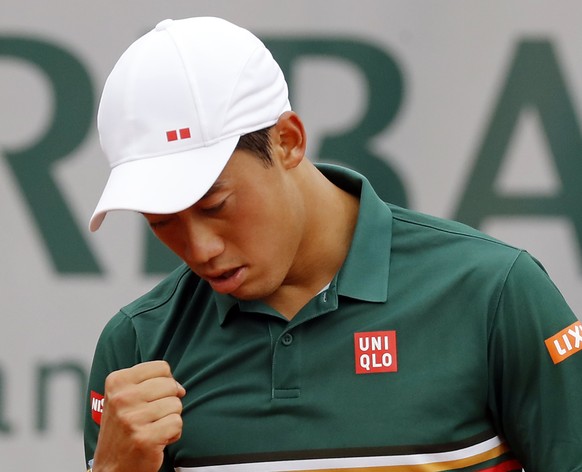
243,236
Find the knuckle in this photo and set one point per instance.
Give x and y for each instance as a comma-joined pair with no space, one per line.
176,422
113,380
163,366
141,440
132,419
177,405
119,399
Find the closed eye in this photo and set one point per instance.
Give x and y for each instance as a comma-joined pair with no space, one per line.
213,209
157,222
156,225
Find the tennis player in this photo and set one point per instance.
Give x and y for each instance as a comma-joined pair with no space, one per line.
312,326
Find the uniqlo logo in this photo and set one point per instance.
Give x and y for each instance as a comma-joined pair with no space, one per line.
175,134
97,401
565,343
375,352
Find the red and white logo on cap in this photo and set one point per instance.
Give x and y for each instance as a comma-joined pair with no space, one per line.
375,352
175,134
97,401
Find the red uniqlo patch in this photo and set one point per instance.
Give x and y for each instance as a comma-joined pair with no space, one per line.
375,352
175,134
96,406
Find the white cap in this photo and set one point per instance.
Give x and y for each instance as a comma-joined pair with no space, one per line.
174,108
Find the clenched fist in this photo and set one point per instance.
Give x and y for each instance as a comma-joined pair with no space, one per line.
141,416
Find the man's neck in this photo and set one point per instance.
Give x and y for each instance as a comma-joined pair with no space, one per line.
332,218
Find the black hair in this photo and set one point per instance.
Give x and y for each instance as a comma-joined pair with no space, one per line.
259,143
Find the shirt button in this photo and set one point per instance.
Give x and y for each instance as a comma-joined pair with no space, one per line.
287,339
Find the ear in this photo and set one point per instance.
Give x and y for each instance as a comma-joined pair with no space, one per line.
289,139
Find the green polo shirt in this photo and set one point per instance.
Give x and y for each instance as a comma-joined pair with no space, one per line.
426,352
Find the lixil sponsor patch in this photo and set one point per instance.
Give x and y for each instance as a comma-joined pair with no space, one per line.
565,343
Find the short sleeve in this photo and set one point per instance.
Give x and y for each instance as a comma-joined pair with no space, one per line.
117,348
536,403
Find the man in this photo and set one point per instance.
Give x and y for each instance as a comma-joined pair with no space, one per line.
312,326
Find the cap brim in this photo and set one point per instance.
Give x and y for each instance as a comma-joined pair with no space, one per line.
163,184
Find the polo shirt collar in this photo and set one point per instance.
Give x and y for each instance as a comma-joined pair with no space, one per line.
365,272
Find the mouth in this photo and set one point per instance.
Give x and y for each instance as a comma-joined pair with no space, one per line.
227,281
227,274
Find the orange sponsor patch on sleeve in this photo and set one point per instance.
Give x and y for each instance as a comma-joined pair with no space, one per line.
565,343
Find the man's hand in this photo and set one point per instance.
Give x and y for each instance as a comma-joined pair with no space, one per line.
141,416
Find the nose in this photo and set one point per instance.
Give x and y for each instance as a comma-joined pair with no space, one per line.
202,242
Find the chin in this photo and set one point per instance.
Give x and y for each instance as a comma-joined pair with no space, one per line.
247,293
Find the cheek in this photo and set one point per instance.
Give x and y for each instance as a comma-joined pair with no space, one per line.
269,218
172,240
266,235
278,243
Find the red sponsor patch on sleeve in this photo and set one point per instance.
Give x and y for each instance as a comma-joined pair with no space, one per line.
97,401
565,343
375,352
